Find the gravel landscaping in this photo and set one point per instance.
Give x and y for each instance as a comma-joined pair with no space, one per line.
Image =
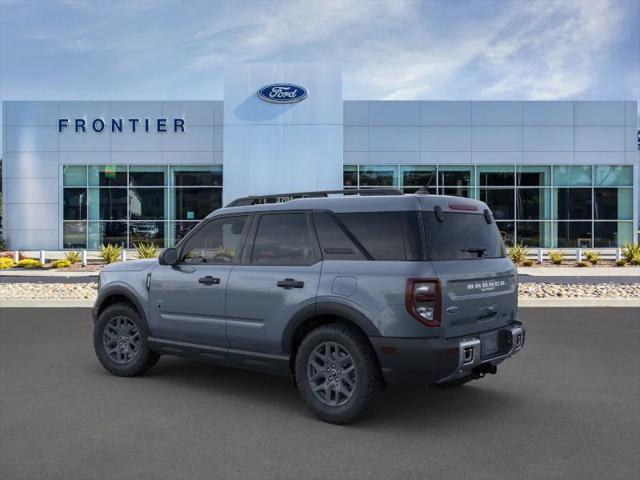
88,290
585,290
48,291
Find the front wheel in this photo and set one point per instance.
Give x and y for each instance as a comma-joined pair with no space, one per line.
120,341
337,373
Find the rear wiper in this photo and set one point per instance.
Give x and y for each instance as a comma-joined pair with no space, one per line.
479,251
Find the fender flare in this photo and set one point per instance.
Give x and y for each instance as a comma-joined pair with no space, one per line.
126,291
349,313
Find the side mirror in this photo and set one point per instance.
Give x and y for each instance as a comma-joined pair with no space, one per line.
168,256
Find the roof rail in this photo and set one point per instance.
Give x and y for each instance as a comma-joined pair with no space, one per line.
285,197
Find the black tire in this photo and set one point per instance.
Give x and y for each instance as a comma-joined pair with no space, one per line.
454,383
368,377
139,362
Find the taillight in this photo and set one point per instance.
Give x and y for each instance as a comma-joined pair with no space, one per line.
422,299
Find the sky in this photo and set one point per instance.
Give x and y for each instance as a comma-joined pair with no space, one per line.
394,50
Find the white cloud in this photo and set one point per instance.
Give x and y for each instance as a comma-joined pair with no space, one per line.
398,49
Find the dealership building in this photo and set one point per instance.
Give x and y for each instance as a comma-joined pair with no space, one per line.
80,173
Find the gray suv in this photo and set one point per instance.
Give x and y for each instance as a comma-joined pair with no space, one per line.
345,293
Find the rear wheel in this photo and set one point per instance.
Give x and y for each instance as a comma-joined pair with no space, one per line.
120,341
337,373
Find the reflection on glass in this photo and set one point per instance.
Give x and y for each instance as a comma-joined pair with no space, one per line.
197,176
383,176
455,191
533,175
573,203
506,232
533,203
614,175
574,234
612,234
147,175
146,232
107,232
613,203
196,203
496,176
113,203
350,176
500,202
455,176
74,176
146,203
572,175
415,177
74,235
534,234
107,175
74,203
181,229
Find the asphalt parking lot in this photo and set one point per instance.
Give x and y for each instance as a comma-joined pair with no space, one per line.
567,407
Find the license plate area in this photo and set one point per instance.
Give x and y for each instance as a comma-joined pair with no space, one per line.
494,343
489,344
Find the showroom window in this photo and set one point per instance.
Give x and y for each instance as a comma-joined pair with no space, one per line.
130,204
550,206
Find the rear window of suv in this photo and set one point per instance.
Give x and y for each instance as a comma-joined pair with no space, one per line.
462,236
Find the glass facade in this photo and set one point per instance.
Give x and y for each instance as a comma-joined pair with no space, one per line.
129,204
550,206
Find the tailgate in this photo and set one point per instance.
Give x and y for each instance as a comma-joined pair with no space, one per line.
477,295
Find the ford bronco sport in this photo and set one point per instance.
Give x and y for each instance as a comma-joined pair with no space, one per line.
346,293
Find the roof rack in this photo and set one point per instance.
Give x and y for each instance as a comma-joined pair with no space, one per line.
285,197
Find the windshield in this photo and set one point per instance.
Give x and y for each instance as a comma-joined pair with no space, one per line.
462,236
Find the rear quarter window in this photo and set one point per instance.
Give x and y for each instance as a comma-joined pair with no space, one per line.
384,235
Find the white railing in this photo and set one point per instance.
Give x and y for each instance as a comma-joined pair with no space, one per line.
539,255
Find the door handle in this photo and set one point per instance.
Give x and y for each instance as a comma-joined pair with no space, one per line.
290,283
209,280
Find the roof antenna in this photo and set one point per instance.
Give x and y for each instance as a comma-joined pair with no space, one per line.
425,189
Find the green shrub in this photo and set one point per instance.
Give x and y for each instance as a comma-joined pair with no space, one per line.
527,263
556,256
29,263
621,263
147,250
62,263
582,263
73,257
6,263
2,244
635,262
518,253
110,253
631,252
592,257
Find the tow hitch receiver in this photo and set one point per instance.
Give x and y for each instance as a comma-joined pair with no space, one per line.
484,369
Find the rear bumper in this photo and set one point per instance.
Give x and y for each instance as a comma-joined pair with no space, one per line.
425,361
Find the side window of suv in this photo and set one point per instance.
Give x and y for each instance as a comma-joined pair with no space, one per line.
380,233
334,240
283,239
218,242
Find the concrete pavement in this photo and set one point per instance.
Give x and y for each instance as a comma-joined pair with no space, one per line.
567,407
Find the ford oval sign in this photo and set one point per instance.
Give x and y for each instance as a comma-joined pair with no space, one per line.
283,93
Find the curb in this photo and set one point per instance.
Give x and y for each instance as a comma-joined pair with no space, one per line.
578,302
23,273
47,303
